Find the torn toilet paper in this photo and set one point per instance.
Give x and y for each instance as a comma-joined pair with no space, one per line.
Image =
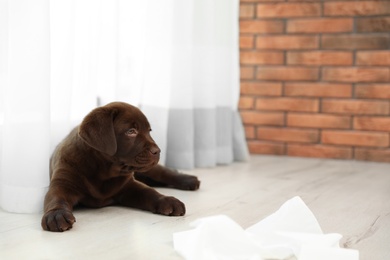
292,232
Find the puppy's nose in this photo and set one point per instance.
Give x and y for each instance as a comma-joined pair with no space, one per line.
155,150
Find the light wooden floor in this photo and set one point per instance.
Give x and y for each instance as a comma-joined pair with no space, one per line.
347,197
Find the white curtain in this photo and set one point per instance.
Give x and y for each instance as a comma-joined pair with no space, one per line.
175,59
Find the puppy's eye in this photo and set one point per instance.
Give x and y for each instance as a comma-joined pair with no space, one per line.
131,132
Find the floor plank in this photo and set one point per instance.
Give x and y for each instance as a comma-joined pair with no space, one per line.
347,197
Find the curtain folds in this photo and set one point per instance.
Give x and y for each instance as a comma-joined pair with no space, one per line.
176,60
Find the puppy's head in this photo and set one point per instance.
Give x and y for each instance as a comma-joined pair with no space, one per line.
121,131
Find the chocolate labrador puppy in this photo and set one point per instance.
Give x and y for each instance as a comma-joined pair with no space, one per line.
110,159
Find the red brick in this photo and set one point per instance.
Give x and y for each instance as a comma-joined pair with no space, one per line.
261,26
247,11
288,10
288,104
262,57
246,102
372,123
375,155
355,107
318,121
356,74
337,70
283,73
373,24
260,147
320,25
287,135
287,42
380,58
247,72
261,88
355,138
356,8
319,151
320,58
261,118
318,89
373,91
358,41
247,42
250,132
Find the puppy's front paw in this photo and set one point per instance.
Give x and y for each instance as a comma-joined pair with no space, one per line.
187,182
170,206
58,220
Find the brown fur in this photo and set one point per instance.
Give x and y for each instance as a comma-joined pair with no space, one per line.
109,160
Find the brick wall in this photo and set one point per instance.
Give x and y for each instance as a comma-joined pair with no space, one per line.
315,78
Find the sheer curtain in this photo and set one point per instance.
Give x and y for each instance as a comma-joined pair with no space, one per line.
176,59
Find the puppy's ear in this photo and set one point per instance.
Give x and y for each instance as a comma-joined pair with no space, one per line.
97,130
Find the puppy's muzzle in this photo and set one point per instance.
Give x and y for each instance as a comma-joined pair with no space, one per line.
155,151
